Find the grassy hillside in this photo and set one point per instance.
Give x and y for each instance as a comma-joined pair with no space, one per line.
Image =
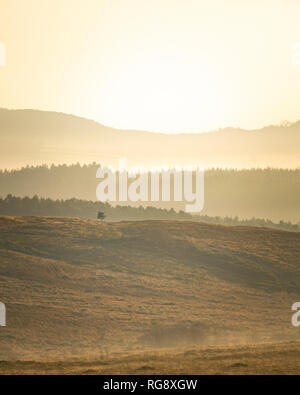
85,288
271,359
74,208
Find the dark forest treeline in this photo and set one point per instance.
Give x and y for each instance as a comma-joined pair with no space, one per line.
261,193
16,206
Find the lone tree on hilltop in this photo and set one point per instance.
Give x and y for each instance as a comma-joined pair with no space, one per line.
101,215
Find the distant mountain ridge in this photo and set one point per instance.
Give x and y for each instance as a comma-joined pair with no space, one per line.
31,137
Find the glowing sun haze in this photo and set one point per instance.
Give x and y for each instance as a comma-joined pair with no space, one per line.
161,65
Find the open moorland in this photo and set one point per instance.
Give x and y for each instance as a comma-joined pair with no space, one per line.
141,296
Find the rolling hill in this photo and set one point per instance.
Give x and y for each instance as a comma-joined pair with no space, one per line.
31,137
83,288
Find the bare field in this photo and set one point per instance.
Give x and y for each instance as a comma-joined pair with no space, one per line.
268,359
90,291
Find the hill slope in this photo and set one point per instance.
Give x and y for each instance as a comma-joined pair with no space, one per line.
30,137
271,359
79,287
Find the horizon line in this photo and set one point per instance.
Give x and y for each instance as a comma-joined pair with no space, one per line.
282,124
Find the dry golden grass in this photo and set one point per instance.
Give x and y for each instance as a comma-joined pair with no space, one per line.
268,359
85,289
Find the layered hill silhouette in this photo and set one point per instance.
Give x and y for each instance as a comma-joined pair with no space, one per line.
250,193
31,137
80,287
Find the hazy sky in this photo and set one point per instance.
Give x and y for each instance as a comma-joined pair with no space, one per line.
160,65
